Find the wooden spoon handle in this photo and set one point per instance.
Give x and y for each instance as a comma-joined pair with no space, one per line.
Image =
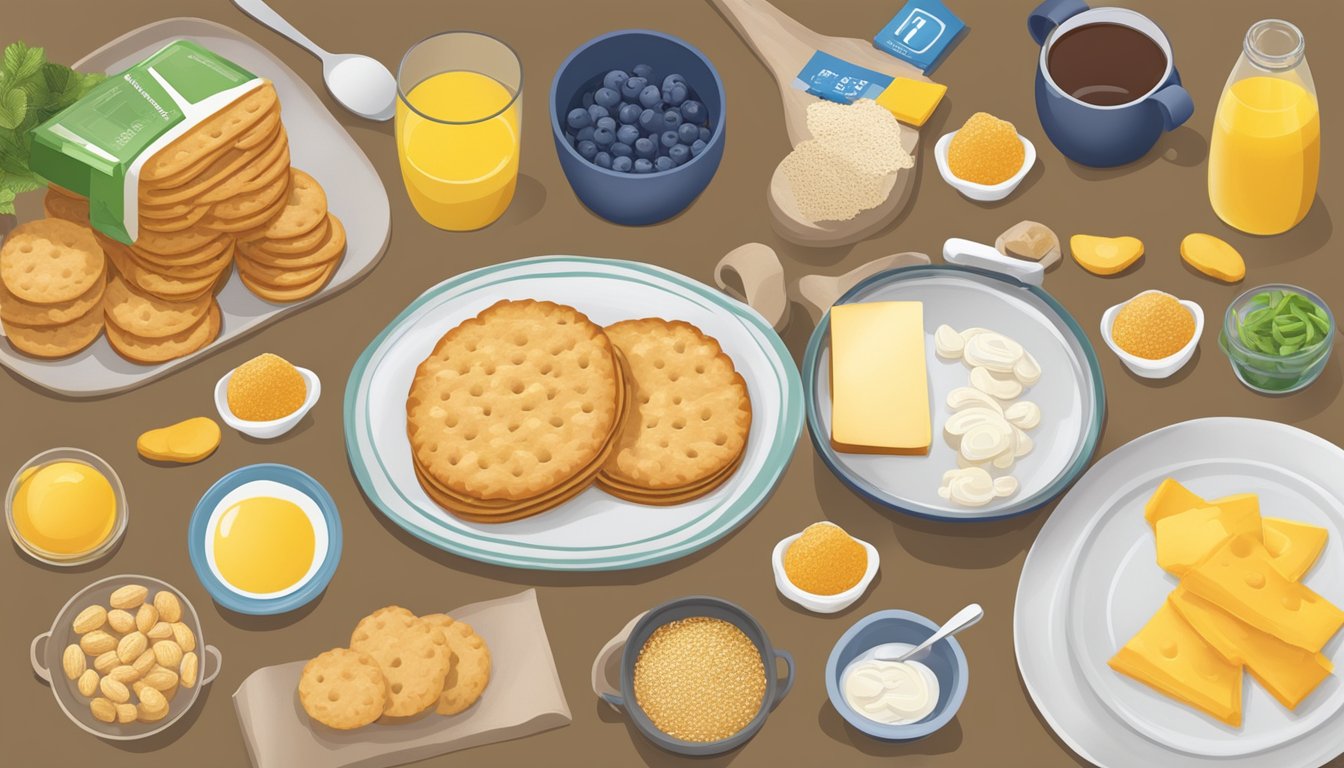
781,43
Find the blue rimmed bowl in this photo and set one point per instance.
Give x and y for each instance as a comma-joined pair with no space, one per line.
265,478
629,198
946,660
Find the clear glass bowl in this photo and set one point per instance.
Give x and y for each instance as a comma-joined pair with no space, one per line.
1274,374
82,457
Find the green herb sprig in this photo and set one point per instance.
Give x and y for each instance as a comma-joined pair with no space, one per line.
32,90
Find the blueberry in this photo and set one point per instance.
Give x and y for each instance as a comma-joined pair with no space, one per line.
607,97
664,164
649,120
630,90
669,139
679,154
627,134
587,99
693,111
643,166
621,150
614,79
643,70
587,149
584,134
606,122
646,147
650,97
705,133
671,120
622,164
604,137
697,148
675,93
578,118
629,113
687,133
597,111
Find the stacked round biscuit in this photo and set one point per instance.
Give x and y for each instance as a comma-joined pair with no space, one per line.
52,279
529,403
223,191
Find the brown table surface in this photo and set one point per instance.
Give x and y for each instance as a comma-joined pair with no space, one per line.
929,567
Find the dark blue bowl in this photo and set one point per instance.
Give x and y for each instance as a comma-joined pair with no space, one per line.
946,660
627,198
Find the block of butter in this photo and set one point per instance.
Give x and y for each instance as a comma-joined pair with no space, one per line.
879,380
911,101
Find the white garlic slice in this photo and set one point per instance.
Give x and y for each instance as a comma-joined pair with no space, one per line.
948,343
993,351
1022,443
970,397
1005,460
1026,369
1003,388
971,333
1005,486
971,487
1022,414
986,440
962,421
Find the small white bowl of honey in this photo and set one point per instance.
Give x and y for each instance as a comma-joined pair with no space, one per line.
829,561
66,507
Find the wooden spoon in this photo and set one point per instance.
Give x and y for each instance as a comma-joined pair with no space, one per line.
784,46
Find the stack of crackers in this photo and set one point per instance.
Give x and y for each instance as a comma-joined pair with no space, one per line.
530,403
398,665
52,279
222,191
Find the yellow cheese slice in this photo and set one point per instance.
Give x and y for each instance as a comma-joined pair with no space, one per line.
911,101
1240,577
1185,538
879,381
1170,498
1286,671
1293,545
1169,656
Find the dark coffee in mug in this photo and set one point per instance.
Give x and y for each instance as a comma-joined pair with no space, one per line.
1106,64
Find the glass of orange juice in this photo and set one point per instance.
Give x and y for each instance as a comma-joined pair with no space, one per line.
459,126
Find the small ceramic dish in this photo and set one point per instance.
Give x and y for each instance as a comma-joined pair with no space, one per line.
123,513
821,603
1142,366
985,193
267,430
258,480
46,650
945,659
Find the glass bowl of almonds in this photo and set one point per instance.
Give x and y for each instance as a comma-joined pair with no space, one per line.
125,657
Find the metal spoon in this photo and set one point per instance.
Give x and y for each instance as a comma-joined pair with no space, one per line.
361,84
964,618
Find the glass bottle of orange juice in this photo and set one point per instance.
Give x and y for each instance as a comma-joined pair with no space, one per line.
1265,155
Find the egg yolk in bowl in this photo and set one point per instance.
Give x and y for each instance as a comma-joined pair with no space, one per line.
64,508
263,544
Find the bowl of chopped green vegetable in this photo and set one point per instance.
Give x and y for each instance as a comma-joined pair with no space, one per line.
1277,337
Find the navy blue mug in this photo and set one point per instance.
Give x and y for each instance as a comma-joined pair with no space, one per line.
1109,135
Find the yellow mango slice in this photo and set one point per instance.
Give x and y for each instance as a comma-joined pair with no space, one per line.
1213,257
185,442
1105,255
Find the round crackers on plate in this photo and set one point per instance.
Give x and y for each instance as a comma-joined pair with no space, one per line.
53,274
413,655
692,414
515,410
343,689
470,672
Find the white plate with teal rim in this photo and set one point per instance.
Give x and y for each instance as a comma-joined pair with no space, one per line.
593,531
1091,581
1069,393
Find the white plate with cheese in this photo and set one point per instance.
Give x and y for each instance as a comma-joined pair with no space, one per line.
1092,581
1069,391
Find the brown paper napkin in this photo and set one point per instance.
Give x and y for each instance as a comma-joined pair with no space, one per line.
524,697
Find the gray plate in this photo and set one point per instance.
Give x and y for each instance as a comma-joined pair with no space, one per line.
355,194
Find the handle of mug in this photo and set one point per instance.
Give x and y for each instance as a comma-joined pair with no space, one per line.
786,684
602,685
1176,106
1051,14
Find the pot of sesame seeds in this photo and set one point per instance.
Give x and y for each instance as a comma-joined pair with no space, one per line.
698,675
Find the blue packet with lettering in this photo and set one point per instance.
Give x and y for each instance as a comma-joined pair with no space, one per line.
838,80
922,33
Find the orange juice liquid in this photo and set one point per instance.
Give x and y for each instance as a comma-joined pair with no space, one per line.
460,171
1265,156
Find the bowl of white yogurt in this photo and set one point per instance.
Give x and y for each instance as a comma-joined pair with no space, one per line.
895,701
